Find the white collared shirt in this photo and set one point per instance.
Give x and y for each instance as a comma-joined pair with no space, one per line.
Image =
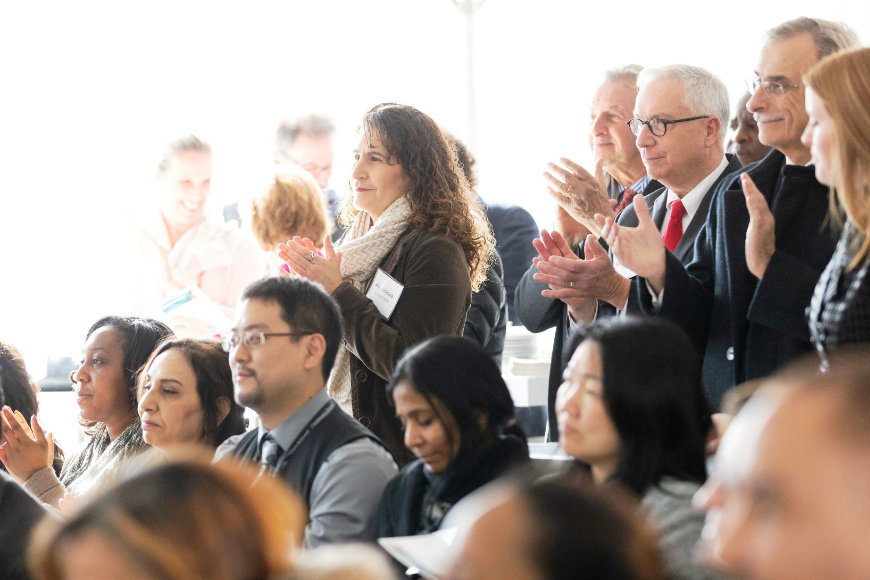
692,200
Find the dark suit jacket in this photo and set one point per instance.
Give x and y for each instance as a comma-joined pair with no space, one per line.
657,202
745,327
538,314
514,229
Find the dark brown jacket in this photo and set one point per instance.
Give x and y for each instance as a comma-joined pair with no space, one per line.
436,295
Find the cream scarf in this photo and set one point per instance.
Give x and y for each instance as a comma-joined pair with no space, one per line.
362,248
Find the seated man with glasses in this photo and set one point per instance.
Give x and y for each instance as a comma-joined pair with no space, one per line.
282,347
766,238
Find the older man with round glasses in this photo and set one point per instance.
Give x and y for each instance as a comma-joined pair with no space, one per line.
766,239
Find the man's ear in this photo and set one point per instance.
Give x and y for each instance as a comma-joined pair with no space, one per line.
315,348
714,128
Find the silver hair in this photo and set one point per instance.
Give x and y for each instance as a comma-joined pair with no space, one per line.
627,73
310,124
829,36
181,145
703,92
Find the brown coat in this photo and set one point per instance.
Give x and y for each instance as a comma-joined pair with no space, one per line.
437,292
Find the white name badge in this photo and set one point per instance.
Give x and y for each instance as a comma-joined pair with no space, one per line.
384,292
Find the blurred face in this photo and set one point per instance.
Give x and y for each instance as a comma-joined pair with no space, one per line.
788,498
747,147
612,140
314,154
169,405
267,377
378,179
677,158
101,387
781,119
496,545
586,431
92,555
431,435
186,183
819,136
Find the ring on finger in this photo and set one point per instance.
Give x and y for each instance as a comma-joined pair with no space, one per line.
570,283
311,257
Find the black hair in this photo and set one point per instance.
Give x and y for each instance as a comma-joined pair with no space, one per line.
458,373
305,306
651,387
579,531
139,337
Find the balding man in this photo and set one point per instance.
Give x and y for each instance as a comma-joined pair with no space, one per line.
625,175
766,239
790,492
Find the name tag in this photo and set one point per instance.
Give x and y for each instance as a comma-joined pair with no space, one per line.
384,292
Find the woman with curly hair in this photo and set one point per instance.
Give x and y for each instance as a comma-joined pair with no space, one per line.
418,242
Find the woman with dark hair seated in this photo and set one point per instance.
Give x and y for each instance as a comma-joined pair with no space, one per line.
21,394
186,395
115,349
458,418
632,409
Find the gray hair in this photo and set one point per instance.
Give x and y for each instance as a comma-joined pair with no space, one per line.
829,36
181,145
311,124
624,74
703,92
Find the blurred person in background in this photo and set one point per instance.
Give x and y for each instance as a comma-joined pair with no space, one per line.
486,321
789,496
417,247
21,393
19,513
181,248
744,143
631,408
186,395
459,420
179,521
105,384
292,205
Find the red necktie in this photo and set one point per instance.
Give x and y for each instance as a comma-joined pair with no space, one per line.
627,194
675,225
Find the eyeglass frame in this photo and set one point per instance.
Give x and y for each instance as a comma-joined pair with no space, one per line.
771,88
664,123
228,344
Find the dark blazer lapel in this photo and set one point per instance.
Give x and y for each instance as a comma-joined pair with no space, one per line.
684,250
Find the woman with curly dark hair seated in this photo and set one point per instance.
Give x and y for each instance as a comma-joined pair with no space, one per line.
417,244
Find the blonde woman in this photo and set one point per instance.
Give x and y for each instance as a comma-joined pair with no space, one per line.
838,89
292,205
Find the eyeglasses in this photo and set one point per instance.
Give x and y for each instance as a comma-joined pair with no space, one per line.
772,88
657,127
254,339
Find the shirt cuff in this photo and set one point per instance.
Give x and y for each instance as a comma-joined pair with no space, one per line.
656,297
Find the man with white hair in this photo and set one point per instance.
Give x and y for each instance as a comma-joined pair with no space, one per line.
766,239
679,115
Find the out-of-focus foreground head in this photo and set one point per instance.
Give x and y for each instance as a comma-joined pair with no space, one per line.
790,494
181,520
548,529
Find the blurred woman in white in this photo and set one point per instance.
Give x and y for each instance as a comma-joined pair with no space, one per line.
181,248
